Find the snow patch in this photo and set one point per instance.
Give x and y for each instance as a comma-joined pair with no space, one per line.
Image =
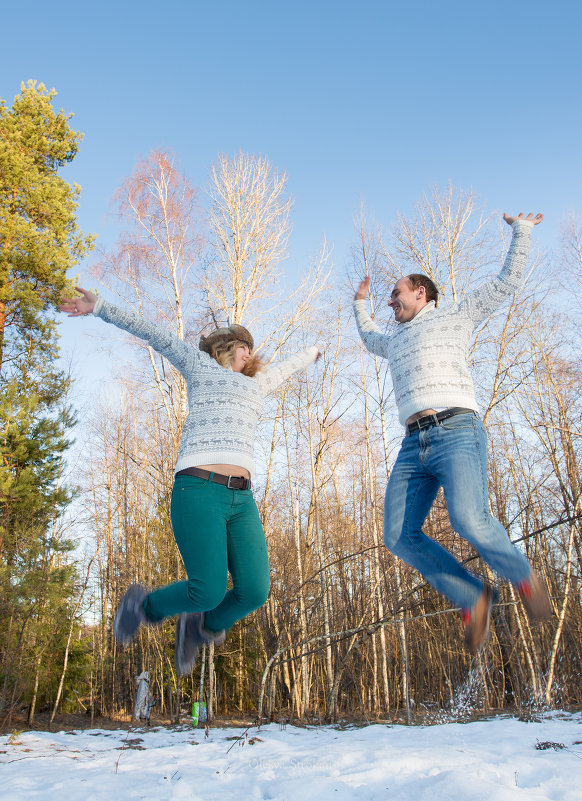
497,758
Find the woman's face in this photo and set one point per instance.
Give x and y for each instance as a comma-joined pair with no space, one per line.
241,356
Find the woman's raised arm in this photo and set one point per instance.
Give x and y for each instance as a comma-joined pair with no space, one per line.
160,338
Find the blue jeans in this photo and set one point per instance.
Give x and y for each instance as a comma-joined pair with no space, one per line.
451,455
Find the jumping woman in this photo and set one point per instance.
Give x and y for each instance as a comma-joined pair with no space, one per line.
214,516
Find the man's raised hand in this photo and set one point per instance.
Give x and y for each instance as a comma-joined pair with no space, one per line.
535,220
362,292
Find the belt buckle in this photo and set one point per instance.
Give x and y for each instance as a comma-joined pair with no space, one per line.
427,420
245,482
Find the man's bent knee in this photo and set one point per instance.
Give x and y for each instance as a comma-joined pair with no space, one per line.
393,527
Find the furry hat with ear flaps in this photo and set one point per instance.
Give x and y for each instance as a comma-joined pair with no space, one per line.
222,336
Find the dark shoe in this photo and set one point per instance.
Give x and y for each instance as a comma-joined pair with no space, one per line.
187,644
190,635
476,621
130,614
535,598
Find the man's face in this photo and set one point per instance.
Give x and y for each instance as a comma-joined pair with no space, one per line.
405,301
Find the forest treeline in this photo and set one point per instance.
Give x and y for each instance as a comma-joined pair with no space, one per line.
348,630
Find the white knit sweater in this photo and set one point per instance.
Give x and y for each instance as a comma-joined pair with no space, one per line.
223,406
428,354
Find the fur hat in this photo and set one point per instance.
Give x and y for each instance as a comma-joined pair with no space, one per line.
222,336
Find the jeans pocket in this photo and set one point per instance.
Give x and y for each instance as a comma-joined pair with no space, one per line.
458,421
190,483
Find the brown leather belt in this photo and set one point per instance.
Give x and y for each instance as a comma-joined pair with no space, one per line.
232,482
434,419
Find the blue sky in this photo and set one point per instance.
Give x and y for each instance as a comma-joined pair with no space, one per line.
376,101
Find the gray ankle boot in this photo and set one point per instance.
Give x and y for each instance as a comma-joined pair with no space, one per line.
130,614
190,635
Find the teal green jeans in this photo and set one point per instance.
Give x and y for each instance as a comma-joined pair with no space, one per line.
217,530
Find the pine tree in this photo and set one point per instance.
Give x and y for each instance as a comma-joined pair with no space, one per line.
39,236
39,242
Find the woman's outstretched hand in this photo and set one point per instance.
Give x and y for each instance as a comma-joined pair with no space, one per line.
78,307
535,220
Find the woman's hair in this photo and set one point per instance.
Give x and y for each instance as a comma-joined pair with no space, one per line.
222,343
418,279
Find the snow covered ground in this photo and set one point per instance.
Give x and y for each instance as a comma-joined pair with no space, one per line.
490,760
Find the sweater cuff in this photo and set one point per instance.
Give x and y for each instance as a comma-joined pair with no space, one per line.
97,307
313,351
526,223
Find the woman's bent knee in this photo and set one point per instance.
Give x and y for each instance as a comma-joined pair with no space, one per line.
253,597
205,596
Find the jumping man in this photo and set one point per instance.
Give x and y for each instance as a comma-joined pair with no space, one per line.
445,442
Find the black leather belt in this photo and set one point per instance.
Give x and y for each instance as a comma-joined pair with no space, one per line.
433,419
232,482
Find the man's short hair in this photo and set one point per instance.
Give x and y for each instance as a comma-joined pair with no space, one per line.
418,279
